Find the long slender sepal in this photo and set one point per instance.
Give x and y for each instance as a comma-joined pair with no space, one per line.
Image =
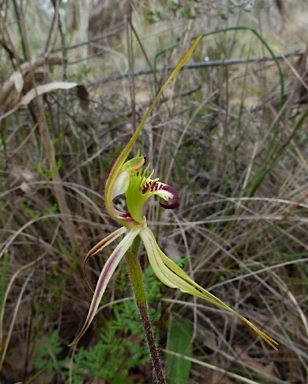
100,246
173,276
104,278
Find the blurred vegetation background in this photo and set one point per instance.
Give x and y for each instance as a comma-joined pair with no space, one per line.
230,134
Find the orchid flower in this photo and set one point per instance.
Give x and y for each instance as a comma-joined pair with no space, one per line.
134,181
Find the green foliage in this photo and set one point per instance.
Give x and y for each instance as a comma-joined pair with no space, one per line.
46,173
54,288
36,214
120,346
46,353
120,380
179,341
173,8
152,16
115,353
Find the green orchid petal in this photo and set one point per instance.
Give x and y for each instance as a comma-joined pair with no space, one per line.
173,276
122,181
104,278
119,187
121,184
133,165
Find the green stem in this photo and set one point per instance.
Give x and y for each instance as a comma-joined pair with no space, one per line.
135,273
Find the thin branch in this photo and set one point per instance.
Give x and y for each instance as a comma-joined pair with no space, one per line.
206,64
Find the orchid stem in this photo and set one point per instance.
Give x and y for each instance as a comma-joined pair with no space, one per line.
135,273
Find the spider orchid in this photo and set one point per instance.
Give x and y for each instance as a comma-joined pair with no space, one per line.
134,181
138,186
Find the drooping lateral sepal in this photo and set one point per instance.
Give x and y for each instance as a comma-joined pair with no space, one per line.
104,278
173,276
100,246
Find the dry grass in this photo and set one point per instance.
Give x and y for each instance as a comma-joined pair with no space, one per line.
236,155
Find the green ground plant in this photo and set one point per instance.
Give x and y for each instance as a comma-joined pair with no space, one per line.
118,349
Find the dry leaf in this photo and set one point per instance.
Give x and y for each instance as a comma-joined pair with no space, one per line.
218,377
266,370
24,69
45,88
18,81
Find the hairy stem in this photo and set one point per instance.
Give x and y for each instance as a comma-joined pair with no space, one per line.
135,273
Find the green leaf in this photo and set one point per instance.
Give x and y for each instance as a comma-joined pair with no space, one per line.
179,341
121,380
